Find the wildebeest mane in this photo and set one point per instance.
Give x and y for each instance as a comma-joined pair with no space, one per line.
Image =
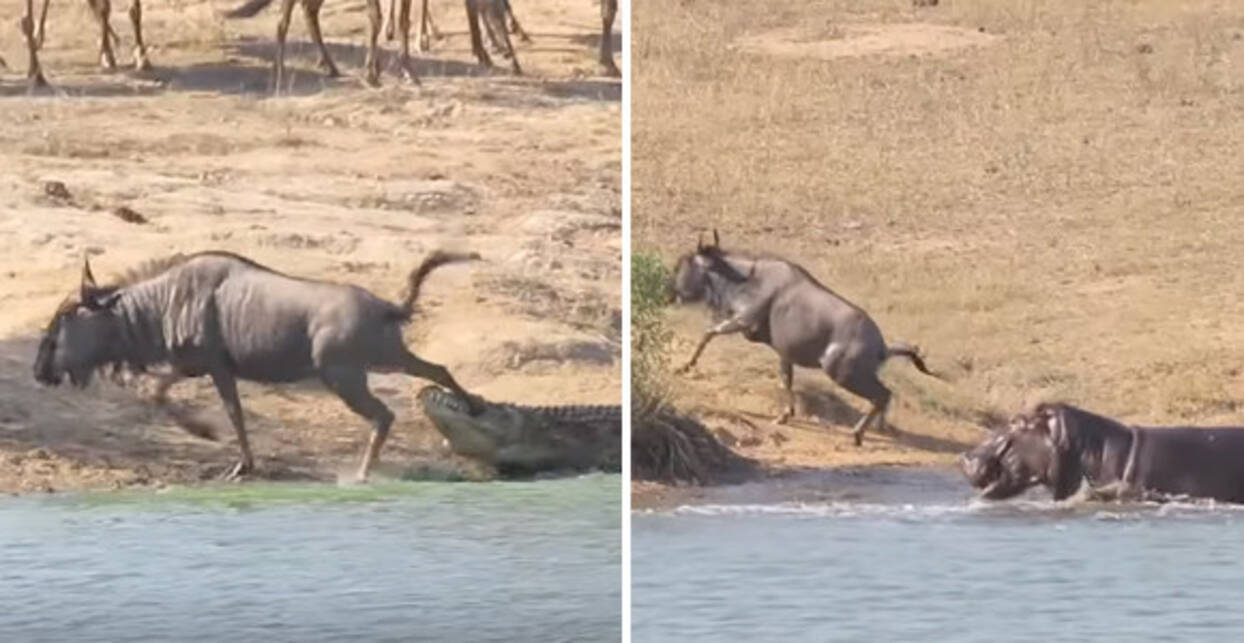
767,256
153,267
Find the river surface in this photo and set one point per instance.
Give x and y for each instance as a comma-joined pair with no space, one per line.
908,555
411,561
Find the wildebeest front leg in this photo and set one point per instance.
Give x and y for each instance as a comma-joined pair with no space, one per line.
351,386
516,28
43,18
282,29
101,9
227,387
404,62
372,62
608,10
140,50
427,27
786,370
477,42
738,323
34,73
311,12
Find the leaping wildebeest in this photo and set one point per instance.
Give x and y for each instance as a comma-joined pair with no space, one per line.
1063,448
225,316
311,11
776,302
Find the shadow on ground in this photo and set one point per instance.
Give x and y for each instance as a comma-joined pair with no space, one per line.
107,426
828,408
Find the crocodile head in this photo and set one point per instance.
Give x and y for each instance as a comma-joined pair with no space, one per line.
479,436
524,440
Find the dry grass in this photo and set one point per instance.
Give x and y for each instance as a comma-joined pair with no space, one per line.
1053,215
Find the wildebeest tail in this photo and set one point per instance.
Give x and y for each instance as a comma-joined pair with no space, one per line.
432,262
910,352
248,9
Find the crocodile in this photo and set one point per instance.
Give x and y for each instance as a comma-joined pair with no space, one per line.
522,441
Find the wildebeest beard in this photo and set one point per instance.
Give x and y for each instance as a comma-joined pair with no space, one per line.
52,363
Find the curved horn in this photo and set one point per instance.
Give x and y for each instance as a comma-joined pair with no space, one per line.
87,277
88,286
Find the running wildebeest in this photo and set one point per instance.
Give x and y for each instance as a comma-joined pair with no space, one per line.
227,317
311,11
776,302
1063,447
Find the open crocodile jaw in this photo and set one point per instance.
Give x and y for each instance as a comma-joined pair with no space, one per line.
469,434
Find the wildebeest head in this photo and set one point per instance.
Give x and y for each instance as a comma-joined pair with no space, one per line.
80,337
1030,450
692,282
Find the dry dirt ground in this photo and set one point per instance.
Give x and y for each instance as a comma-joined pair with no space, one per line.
337,182
1046,196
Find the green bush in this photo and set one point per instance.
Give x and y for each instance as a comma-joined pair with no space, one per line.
650,335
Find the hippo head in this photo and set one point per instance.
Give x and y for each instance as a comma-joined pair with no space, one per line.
80,337
1026,453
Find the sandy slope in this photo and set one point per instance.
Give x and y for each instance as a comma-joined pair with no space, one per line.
336,182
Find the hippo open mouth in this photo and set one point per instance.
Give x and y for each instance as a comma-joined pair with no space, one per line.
993,468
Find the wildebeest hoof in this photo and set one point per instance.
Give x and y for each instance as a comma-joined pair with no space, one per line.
783,418
684,369
239,472
859,439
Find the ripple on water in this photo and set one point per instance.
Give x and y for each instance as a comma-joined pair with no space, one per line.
911,556
431,561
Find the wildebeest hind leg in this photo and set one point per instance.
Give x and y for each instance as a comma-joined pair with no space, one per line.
227,387
867,386
351,386
416,367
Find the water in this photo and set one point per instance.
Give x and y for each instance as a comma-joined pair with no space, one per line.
533,561
908,556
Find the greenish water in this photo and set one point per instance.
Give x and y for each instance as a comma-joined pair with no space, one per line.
412,561
907,555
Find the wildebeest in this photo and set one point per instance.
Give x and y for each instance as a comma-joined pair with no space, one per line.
222,315
311,11
1063,447
776,302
